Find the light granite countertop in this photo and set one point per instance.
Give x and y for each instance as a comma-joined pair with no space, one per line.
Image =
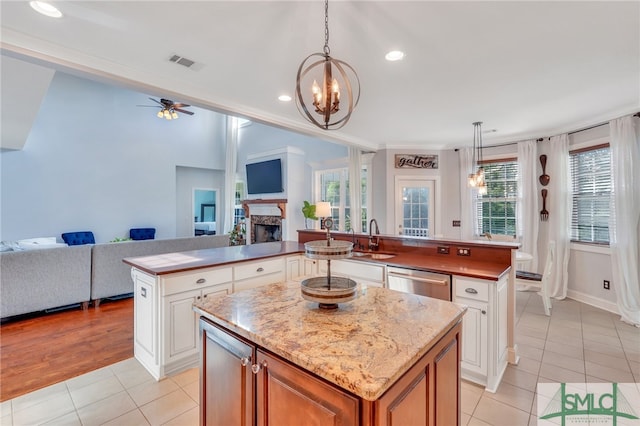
364,346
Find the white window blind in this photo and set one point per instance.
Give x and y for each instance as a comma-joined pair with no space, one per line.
496,211
591,186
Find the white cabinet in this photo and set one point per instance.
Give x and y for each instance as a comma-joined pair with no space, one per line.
165,325
370,274
248,275
300,266
484,329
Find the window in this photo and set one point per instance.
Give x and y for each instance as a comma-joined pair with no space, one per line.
591,186
334,188
496,210
238,211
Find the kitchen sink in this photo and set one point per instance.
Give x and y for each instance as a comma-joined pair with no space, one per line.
380,256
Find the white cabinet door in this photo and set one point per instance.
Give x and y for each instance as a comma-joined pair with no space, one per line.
310,267
484,335
181,334
181,323
218,290
145,323
294,268
474,336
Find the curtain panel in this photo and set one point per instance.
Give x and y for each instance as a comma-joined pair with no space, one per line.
624,221
355,188
559,207
527,214
467,210
230,173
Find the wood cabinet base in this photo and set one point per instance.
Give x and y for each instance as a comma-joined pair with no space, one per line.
243,384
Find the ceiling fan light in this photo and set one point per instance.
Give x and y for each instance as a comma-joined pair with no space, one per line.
160,113
167,115
174,115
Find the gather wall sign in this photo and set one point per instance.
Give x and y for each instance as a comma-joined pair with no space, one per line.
415,161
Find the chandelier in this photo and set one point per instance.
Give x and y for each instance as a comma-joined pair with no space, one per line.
333,75
476,180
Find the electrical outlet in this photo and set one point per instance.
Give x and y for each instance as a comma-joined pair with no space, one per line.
464,251
443,250
606,284
456,223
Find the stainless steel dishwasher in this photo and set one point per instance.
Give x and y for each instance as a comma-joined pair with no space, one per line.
424,283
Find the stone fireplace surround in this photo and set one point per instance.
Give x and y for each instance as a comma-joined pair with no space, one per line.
266,226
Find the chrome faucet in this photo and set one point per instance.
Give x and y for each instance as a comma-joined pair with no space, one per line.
373,245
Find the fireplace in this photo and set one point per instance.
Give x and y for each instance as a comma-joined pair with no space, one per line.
265,229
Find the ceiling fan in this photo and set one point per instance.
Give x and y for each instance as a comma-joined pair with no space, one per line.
169,109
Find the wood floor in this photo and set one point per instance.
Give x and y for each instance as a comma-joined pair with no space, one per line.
40,351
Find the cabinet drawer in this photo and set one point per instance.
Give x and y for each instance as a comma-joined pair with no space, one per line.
257,269
185,281
472,289
262,280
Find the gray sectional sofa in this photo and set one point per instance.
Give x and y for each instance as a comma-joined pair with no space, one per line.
37,280
112,277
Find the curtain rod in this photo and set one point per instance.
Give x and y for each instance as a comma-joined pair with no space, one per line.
637,114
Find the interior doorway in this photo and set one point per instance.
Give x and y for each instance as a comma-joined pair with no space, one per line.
415,207
204,211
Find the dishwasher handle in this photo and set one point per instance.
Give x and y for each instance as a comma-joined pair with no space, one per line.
442,282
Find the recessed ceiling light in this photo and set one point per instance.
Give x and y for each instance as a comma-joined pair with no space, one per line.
284,98
46,9
394,55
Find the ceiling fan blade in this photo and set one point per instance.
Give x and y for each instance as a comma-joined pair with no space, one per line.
156,101
184,111
149,106
180,105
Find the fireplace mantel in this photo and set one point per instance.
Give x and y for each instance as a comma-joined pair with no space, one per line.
280,202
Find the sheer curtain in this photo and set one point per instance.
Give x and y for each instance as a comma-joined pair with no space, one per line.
230,173
559,207
355,188
624,221
467,194
527,214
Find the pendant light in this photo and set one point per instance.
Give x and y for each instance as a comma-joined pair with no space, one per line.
476,180
333,80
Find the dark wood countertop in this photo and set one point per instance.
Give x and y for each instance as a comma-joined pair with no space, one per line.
169,263
467,268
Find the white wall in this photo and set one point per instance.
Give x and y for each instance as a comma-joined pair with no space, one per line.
588,265
95,161
300,154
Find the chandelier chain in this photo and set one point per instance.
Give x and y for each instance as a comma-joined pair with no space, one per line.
326,28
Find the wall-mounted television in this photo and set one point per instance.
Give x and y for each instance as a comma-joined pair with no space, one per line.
264,177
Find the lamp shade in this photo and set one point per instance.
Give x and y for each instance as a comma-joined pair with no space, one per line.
323,209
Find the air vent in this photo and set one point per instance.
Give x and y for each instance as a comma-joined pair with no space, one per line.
182,61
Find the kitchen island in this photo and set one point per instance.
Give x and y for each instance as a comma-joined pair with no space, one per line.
385,358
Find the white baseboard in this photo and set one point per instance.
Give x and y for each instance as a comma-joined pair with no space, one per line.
593,301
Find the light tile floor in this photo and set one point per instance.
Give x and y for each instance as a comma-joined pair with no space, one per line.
578,343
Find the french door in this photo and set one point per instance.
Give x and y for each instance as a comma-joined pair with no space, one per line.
415,207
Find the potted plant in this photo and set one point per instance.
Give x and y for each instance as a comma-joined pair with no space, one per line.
237,234
309,212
